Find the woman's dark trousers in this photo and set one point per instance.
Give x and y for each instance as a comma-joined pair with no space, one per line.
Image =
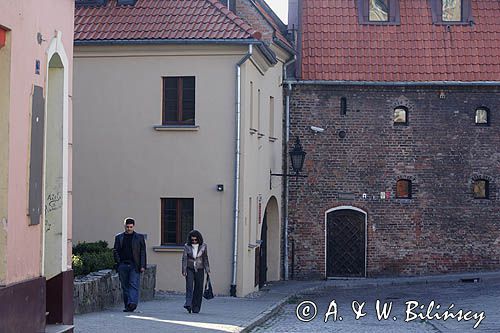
194,288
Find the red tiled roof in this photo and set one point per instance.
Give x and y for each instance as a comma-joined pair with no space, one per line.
158,19
336,47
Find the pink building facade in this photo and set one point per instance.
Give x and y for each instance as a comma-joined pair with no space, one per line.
36,51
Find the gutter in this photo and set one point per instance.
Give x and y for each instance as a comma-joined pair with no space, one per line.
285,164
281,44
237,168
266,51
395,83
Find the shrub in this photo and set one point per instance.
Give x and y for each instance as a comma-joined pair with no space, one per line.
91,257
85,247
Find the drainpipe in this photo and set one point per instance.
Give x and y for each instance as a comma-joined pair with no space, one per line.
237,167
287,138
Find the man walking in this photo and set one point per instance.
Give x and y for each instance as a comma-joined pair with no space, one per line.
130,256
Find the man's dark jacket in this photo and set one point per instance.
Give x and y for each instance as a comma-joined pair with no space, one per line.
138,250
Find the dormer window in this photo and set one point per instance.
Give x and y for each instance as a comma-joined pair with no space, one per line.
378,11
451,11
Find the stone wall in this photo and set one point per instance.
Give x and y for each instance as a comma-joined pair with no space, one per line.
99,290
442,228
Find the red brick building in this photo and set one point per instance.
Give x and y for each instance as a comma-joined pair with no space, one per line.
403,164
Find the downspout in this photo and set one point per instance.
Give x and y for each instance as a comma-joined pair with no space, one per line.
285,164
237,168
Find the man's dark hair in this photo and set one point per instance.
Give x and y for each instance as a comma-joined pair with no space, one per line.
194,233
129,220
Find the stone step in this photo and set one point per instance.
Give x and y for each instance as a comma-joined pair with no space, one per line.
59,328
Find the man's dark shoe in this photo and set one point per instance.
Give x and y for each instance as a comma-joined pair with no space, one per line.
188,308
126,310
131,307
196,310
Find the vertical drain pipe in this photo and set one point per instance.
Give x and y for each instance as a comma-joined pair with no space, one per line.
287,138
237,167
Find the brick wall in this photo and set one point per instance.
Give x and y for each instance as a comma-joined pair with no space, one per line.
442,228
250,14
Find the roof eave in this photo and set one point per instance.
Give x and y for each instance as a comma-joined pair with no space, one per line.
396,83
266,51
287,48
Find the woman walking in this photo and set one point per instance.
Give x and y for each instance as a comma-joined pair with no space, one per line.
194,265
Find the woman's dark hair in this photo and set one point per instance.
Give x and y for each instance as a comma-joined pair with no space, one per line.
194,233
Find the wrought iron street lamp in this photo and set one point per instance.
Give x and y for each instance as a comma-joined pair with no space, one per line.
297,157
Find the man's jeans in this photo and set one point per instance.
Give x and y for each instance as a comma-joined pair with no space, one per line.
129,279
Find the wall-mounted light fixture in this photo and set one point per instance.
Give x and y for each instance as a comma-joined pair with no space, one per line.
220,187
297,157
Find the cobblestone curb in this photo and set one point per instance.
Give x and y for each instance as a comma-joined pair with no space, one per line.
359,283
264,316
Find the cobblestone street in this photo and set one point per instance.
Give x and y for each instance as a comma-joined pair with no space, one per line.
467,296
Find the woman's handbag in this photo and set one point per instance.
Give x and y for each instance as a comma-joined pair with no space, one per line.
208,292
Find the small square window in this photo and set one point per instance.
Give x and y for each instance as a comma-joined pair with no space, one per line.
403,189
401,116
481,189
482,116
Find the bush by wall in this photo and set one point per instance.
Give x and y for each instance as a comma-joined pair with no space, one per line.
91,257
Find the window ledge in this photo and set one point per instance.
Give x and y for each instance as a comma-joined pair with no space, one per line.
272,138
379,23
453,23
168,248
176,127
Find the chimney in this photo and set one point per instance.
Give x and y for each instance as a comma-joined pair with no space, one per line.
293,18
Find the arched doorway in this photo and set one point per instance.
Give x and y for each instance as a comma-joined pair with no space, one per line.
267,261
56,263
54,218
346,242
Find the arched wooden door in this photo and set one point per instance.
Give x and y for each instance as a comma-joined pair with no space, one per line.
263,254
346,243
